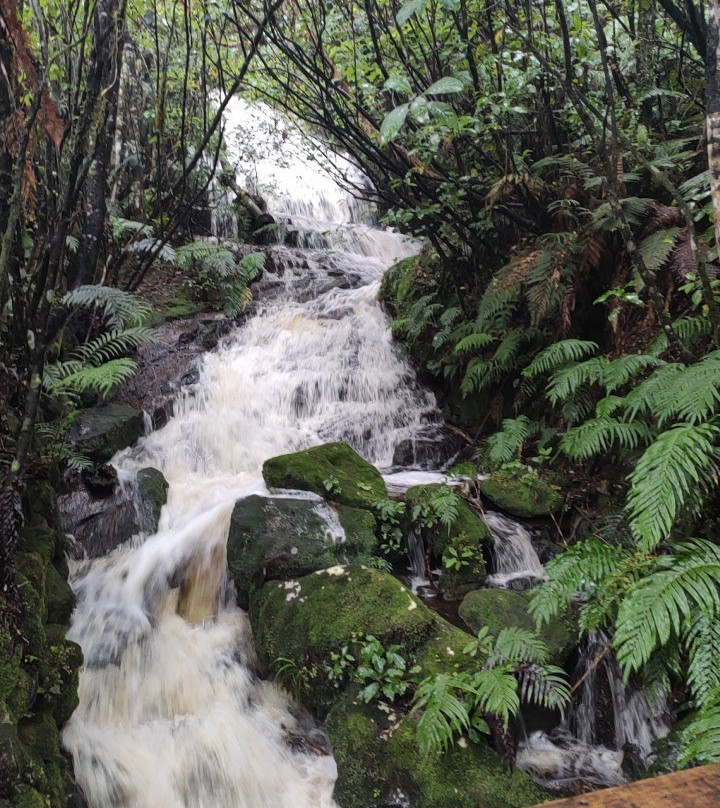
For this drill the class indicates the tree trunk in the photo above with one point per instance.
(712, 96)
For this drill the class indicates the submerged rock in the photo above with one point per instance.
(522, 492)
(101, 431)
(333, 469)
(502, 608)
(277, 538)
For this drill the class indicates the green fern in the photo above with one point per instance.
(701, 642)
(620, 371)
(568, 380)
(655, 249)
(120, 309)
(559, 354)
(667, 601)
(504, 445)
(599, 435)
(670, 474)
(444, 715)
(700, 738)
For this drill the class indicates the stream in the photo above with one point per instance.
(172, 712)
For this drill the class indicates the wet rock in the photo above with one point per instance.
(152, 489)
(280, 538)
(188, 336)
(351, 480)
(210, 332)
(100, 480)
(102, 431)
(59, 597)
(431, 450)
(307, 618)
(522, 492)
(501, 608)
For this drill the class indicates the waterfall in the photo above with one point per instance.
(172, 712)
(516, 563)
(610, 727)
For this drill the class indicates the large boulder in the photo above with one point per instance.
(333, 469)
(302, 621)
(457, 550)
(503, 608)
(278, 538)
(102, 431)
(379, 764)
(152, 490)
(522, 492)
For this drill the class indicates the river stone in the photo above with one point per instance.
(379, 764)
(101, 431)
(277, 538)
(304, 620)
(333, 469)
(503, 608)
(522, 492)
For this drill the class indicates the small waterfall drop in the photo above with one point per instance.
(172, 713)
(516, 562)
(609, 729)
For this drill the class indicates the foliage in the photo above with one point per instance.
(389, 513)
(514, 670)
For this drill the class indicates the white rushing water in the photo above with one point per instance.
(172, 713)
(515, 558)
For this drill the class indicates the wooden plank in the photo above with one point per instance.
(692, 788)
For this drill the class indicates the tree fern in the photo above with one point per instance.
(559, 354)
(669, 475)
(665, 602)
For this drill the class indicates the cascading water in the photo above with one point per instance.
(609, 729)
(171, 710)
(516, 563)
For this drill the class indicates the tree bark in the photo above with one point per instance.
(712, 97)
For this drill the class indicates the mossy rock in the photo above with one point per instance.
(443, 651)
(60, 674)
(47, 542)
(59, 597)
(33, 570)
(354, 729)
(356, 482)
(503, 608)
(40, 503)
(42, 764)
(28, 797)
(466, 776)
(522, 492)
(278, 538)
(152, 490)
(16, 685)
(359, 526)
(304, 620)
(465, 540)
(379, 763)
(8, 754)
(102, 431)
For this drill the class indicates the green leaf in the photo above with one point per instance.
(393, 123)
(410, 8)
(445, 86)
(398, 83)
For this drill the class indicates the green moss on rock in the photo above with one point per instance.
(60, 674)
(522, 492)
(152, 488)
(354, 481)
(59, 597)
(359, 526)
(466, 776)
(443, 651)
(502, 608)
(277, 538)
(304, 620)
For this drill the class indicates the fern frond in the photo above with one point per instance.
(663, 603)
(566, 381)
(671, 472)
(517, 645)
(559, 354)
(701, 641)
(544, 685)
(473, 342)
(644, 398)
(495, 691)
(700, 738)
(655, 249)
(691, 395)
(600, 434)
(503, 445)
(101, 380)
(443, 714)
(619, 371)
(121, 309)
